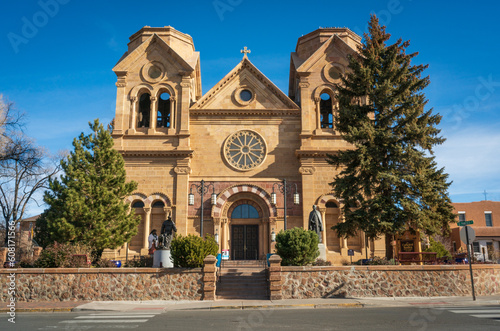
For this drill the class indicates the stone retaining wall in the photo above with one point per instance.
(101, 284)
(388, 281)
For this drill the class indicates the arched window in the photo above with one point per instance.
(326, 111)
(245, 211)
(331, 204)
(163, 116)
(138, 204)
(144, 110)
(158, 204)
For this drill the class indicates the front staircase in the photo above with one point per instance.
(243, 280)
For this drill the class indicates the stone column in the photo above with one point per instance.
(182, 171)
(323, 218)
(218, 230)
(317, 104)
(275, 278)
(133, 115)
(153, 113)
(344, 248)
(209, 277)
(121, 103)
(173, 113)
(146, 228)
(308, 192)
(185, 103)
(305, 104)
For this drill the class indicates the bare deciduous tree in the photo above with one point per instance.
(10, 123)
(25, 168)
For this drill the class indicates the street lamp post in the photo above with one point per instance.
(202, 188)
(283, 187)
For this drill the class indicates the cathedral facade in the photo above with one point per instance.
(238, 148)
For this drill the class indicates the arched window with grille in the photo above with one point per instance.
(326, 111)
(144, 110)
(163, 114)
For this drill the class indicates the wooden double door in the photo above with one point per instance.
(244, 242)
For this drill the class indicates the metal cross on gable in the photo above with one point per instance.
(245, 51)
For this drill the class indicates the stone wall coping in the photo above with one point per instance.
(100, 271)
(391, 268)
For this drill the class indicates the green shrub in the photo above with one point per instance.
(321, 263)
(190, 251)
(61, 256)
(297, 247)
(437, 247)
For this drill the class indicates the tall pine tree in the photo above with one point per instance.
(87, 204)
(389, 180)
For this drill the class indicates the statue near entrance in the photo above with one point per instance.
(167, 230)
(315, 223)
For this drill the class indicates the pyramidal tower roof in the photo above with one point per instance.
(309, 43)
(182, 43)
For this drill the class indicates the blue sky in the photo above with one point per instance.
(56, 61)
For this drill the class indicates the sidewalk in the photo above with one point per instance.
(159, 305)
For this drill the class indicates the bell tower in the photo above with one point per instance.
(158, 79)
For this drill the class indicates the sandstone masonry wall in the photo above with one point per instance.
(388, 281)
(68, 284)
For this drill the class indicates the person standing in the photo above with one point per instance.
(153, 242)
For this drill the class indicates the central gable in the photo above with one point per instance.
(245, 87)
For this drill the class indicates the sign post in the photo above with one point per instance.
(467, 234)
(350, 252)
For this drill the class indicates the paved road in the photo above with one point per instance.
(388, 318)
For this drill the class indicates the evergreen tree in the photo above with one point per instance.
(87, 204)
(389, 180)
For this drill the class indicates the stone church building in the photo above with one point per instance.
(242, 138)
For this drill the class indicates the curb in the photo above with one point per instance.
(39, 310)
(310, 305)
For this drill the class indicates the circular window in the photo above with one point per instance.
(245, 150)
(154, 72)
(246, 95)
(334, 72)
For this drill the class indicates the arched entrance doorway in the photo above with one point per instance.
(245, 227)
(244, 222)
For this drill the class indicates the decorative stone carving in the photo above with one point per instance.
(304, 85)
(306, 170)
(182, 170)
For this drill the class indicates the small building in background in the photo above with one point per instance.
(486, 217)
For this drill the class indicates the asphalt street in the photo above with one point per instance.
(386, 318)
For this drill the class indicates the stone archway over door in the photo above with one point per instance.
(246, 230)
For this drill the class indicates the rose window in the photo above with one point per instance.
(245, 150)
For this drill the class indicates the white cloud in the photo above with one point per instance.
(471, 157)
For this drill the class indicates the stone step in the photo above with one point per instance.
(246, 263)
(238, 297)
(244, 277)
(235, 281)
(242, 280)
(250, 289)
(243, 272)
